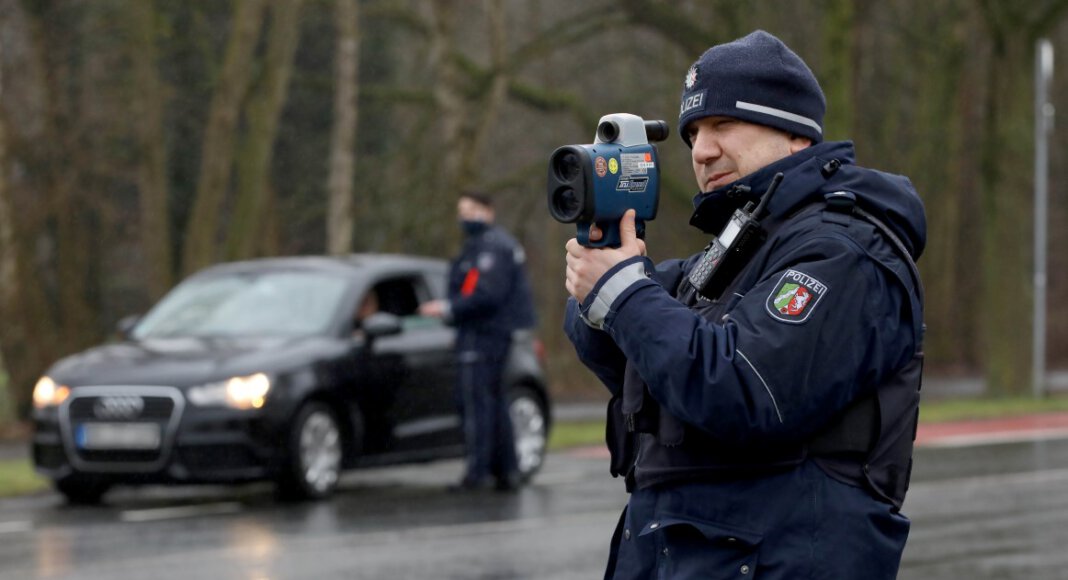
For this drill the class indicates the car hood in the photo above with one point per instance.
(188, 361)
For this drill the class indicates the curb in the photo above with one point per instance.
(1036, 427)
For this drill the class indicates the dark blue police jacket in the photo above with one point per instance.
(806, 369)
(489, 293)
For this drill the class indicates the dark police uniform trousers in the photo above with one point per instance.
(487, 428)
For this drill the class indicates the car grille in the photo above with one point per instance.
(156, 408)
(124, 412)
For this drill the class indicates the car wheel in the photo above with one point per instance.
(82, 490)
(530, 426)
(313, 464)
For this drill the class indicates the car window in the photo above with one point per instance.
(273, 303)
(402, 296)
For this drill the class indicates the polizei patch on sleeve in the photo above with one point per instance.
(795, 297)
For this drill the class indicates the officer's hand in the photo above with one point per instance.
(585, 266)
(433, 308)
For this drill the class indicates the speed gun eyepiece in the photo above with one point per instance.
(599, 182)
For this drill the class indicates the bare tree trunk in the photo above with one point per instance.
(19, 352)
(219, 136)
(8, 263)
(838, 78)
(494, 98)
(9, 273)
(262, 116)
(148, 102)
(339, 217)
(447, 97)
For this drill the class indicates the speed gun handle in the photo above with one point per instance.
(610, 235)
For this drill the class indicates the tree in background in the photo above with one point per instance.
(148, 99)
(262, 114)
(339, 218)
(220, 135)
(147, 139)
(1006, 194)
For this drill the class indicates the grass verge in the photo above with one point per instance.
(17, 477)
(567, 434)
(993, 408)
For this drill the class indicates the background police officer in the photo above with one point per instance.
(764, 429)
(489, 298)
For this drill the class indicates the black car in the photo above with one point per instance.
(273, 369)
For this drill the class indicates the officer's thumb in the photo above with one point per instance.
(628, 233)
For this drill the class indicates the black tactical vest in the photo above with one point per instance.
(868, 445)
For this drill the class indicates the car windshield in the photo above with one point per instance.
(276, 303)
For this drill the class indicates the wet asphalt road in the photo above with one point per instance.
(986, 512)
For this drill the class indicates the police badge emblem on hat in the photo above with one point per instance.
(691, 77)
(794, 297)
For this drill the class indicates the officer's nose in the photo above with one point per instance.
(705, 146)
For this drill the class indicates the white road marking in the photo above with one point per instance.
(169, 513)
(15, 527)
(996, 437)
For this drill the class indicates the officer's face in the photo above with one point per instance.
(726, 149)
(470, 210)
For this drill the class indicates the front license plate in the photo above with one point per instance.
(143, 436)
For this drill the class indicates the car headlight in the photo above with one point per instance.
(237, 392)
(46, 393)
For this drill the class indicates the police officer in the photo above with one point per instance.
(763, 429)
(489, 298)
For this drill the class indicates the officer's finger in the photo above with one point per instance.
(569, 282)
(595, 233)
(571, 246)
(641, 248)
(628, 233)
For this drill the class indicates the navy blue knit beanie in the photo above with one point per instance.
(757, 79)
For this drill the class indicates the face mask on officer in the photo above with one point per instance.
(473, 227)
(475, 216)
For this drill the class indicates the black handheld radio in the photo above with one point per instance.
(727, 254)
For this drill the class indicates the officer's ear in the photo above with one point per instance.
(798, 143)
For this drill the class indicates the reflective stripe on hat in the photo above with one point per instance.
(779, 113)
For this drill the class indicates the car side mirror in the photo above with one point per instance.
(126, 324)
(381, 324)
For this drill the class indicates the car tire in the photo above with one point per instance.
(530, 426)
(314, 452)
(81, 489)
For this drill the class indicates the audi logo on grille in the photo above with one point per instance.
(126, 407)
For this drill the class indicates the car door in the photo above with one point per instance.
(420, 412)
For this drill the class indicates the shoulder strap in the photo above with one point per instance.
(845, 202)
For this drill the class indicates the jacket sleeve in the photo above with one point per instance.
(595, 348)
(485, 286)
(760, 375)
